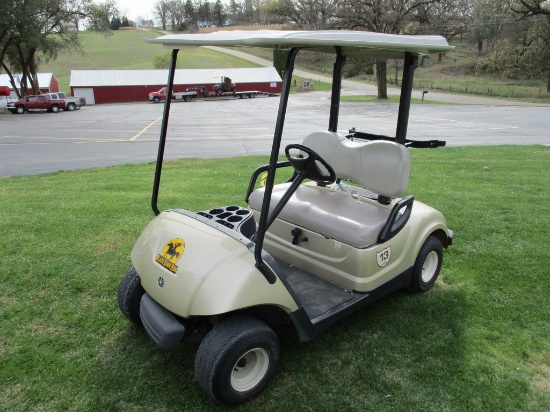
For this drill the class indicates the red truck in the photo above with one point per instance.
(156, 97)
(36, 103)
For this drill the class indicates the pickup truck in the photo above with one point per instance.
(36, 103)
(157, 96)
(71, 103)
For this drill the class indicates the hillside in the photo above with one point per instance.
(126, 50)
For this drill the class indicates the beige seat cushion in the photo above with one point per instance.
(380, 166)
(330, 212)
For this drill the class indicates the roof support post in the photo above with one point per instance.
(411, 63)
(163, 129)
(262, 225)
(336, 90)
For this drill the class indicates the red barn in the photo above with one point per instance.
(110, 86)
(46, 81)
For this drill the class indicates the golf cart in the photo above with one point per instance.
(334, 237)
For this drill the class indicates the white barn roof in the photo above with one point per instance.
(91, 78)
(44, 80)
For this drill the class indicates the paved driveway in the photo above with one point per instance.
(104, 135)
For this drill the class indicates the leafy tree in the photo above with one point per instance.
(218, 14)
(279, 60)
(489, 21)
(307, 14)
(383, 17)
(35, 31)
(528, 8)
(115, 23)
(524, 52)
(161, 11)
(177, 13)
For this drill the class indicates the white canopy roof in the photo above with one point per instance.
(358, 43)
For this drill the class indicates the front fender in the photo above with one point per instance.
(211, 273)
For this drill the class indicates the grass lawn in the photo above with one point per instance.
(479, 341)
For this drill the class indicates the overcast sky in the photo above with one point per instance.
(135, 8)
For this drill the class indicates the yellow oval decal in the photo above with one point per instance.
(171, 254)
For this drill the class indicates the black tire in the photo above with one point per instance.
(54, 108)
(219, 91)
(427, 265)
(71, 107)
(156, 99)
(237, 359)
(129, 296)
(187, 98)
(20, 109)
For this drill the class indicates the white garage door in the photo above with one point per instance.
(88, 93)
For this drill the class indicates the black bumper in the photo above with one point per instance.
(160, 324)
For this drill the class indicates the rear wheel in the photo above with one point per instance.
(54, 108)
(427, 265)
(187, 98)
(71, 107)
(129, 295)
(237, 359)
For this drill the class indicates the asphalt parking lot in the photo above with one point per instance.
(112, 134)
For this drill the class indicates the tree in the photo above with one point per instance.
(529, 8)
(161, 10)
(524, 52)
(490, 19)
(383, 17)
(35, 31)
(236, 11)
(99, 15)
(218, 14)
(307, 14)
(176, 13)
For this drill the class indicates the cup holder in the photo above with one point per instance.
(233, 217)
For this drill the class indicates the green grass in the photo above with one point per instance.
(479, 341)
(126, 50)
(391, 99)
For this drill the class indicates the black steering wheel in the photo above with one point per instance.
(309, 166)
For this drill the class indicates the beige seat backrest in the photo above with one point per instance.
(380, 166)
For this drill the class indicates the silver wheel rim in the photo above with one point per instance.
(430, 266)
(249, 370)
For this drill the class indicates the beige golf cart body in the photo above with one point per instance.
(323, 255)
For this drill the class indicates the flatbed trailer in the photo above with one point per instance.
(250, 94)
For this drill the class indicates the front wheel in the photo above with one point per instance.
(237, 359)
(427, 265)
(20, 109)
(129, 295)
(156, 99)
